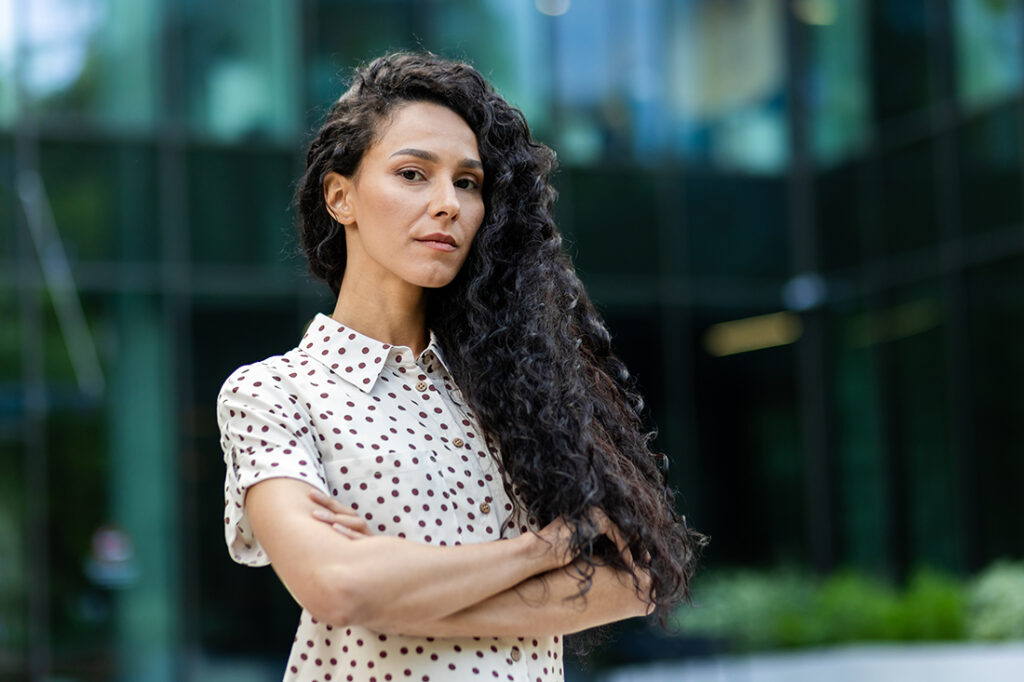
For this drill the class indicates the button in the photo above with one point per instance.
(516, 654)
(421, 386)
(485, 508)
(458, 442)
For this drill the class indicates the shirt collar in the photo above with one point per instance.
(355, 357)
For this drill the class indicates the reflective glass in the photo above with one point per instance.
(840, 209)
(838, 88)
(103, 198)
(611, 218)
(8, 68)
(750, 451)
(725, 83)
(990, 168)
(736, 225)
(995, 292)
(93, 58)
(989, 55)
(113, 562)
(231, 597)
(239, 201)
(908, 198)
(902, 32)
(343, 33)
(913, 331)
(14, 565)
(241, 60)
(859, 437)
(9, 204)
(508, 42)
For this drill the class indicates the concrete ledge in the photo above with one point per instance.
(871, 663)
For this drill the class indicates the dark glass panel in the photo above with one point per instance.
(902, 33)
(104, 198)
(241, 61)
(611, 219)
(10, 208)
(82, 611)
(839, 205)
(921, 436)
(990, 169)
(750, 451)
(239, 206)
(988, 44)
(995, 293)
(736, 225)
(859, 438)
(343, 33)
(14, 562)
(910, 220)
(231, 597)
(99, 60)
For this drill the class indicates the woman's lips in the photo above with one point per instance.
(440, 246)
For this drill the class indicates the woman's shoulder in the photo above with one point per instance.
(274, 373)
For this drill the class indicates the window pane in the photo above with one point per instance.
(839, 91)
(611, 219)
(104, 198)
(838, 202)
(240, 64)
(736, 225)
(10, 207)
(996, 327)
(508, 42)
(990, 168)
(343, 33)
(902, 34)
(257, 329)
(726, 84)
(239, 206)
(859, 438)
(988, 49)
(8, 51)
(93, 58)
(750, 452)
(909, 203)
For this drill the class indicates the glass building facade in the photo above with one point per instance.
(802, 219)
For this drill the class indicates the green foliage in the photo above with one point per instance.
(749, 610)
(995, 603)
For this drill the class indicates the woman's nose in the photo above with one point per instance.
(446, 202)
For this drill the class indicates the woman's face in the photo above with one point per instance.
(414, 205)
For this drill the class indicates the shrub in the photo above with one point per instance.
(996, 603)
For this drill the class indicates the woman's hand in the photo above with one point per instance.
(557, 535)
(343, 519)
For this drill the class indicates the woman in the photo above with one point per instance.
(449, 472)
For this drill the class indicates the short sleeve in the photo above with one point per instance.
(265, 432)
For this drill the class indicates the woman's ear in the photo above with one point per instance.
(337, 196)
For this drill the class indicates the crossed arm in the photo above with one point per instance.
(522, 586)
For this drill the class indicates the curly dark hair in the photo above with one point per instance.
(520, 335)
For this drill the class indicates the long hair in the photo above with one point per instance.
(521, 338)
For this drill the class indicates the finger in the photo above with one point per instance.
(348, 532)
(330, 503)
(356, 523)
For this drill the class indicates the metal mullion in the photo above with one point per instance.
(960, 401)
(821, 495)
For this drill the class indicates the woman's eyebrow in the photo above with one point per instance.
(433, 158)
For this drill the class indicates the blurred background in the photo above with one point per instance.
(802, 219)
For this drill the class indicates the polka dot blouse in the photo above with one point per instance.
(389, 435)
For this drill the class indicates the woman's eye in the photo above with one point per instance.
(409, 174)
(466, 183)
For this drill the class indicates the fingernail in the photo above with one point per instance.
(342, 529)
(322, 515)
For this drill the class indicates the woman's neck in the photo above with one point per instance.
(397, 317)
